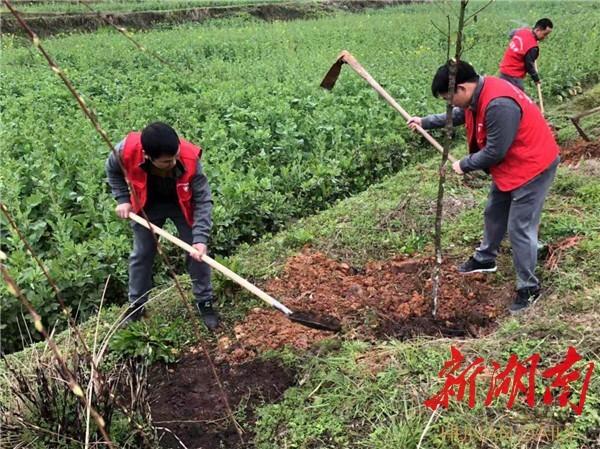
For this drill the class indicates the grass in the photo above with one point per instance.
(363, 395)
(354, 394)
(560, 115)
(372, 395)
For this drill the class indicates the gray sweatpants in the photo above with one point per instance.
(517, 82)
(144, 250)
(518, 210)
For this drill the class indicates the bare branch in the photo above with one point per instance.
(449, 39)
(448, 9)
(128, 35)
(472, 16)
(65, 372)
(439, 29)
(88, 113)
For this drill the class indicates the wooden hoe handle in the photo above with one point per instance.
(347, 57)
(539, 91)
(213, 263)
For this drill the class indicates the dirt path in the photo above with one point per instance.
(51, 23)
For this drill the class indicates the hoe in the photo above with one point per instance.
(345, 57)
(307, 319)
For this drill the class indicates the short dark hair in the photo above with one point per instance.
(464, 73)
(159, 139)
(544, 23)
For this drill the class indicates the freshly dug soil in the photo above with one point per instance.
(186, 399)
(579, 150)
(385, 299)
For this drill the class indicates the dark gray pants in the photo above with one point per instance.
(144, 250)
(518, 210)
(517, 82)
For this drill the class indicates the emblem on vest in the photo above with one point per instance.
(516, 44)
(185, 186)
(479, 136)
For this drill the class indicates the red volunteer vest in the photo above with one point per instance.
(513, 61)
(132, 157)
(534, 147)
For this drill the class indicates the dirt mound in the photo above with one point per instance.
(186, 400)
(575, 152)
(391, 298)
(388, 298)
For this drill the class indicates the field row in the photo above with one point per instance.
(74, 6)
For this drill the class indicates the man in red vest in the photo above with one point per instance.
(508, 137)
(168, 182)
(522, 52)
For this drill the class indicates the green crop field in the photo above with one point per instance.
(276, 146)
(277, 149)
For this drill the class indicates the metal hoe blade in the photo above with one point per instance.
(324, 322)
(333, 74)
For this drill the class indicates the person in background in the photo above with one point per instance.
(522, 52)
(169, 183)
(508, 137)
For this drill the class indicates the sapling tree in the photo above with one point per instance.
(462, 23)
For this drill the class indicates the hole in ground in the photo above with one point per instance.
(186, 399)
(383, 299)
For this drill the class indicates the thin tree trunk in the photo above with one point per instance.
(442, 171)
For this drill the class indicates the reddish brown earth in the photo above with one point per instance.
(579, 150)
(390, 298)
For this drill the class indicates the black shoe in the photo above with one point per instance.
(474, 266)
(542, 250)
(525, 297)
(133, 315)
(208, 314)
